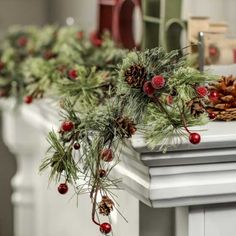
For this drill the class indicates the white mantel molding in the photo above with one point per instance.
(186, 175)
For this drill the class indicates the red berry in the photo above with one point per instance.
(105, 228)
(95, 40)
(169, 100)
(148, 88)
(3, 93)
(76, 146)
(80, 35)
(72, 74)
(1, 65)
(47, 55)
(67, 126)
(213, 96)
(28, 99)
(202, 91)
(158, 82)
(102, 173)
(213, 51)
(63, 188)
(194, 138)
(106, 155)
(212, 115)
(22, 41)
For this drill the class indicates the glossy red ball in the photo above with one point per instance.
(95, 40)
(212, 115)
(194, 138)
(106, 155)
(72, 74)
(28, 99)
(148, 88)
(22, 41)
(67, 126)
(79, 35)
(213, 96)
(158, 82)
(105, 228)
(202, 91)
(63, 188)
(76, 146)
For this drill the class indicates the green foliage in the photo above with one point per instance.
(102, 94)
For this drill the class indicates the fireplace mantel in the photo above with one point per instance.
(184, 177)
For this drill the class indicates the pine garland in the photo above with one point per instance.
(103, 104)
(106, 128)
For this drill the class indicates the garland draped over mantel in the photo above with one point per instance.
(106, 95)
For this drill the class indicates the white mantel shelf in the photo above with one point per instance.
(185, 175)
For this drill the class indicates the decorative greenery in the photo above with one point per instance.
(104, 104)
(106, 128)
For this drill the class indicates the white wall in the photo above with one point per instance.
(83, 11)
(23, 12)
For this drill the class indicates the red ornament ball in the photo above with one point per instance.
(67, 126)
(158, 82)
(106, 155)
(22, 41)
(28, 99)
(148, 89)
(63, 188)
(72, 74)
(213, 96)
(1, 65)
(202, 91)
(76, 146)
(212, 115)
(194, 138)
(105, 228)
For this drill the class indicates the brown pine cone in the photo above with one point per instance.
(196, 107)
(126, 127)
(105, 206)
(225, 105)
(135, 76)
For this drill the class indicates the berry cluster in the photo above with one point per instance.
(157, 82)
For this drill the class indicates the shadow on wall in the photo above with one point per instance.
(7, 171)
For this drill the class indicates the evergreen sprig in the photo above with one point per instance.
(103, 103)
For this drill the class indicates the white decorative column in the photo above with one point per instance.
(22, 140)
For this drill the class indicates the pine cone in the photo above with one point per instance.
(135, 76)
(126, 127)
(105, 206)
(196, 107)
(225, 105)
